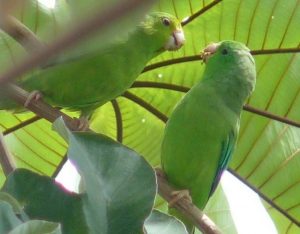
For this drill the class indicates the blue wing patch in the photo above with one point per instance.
(226, 153)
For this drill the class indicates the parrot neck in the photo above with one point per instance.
(231, 86)
(151, 45)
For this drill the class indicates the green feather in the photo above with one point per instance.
(201, 133)
(88, 81)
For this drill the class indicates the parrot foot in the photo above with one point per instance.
(159, 172)
(179, 195)
(82, 123)
(33, 96)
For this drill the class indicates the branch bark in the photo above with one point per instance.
(6, 159)
(189, 210)
(20, 33)
(39, 107)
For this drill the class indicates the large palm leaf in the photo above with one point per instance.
(267, 156)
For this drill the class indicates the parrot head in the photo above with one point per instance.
(229, 58)
(165, 29)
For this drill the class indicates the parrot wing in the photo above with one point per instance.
(226, 153)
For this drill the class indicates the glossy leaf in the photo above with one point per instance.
(44, 199)
(120, 185)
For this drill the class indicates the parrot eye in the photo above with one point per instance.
(224, 51)
(166, 21)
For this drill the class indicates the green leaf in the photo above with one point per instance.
(37, 227)
(8, 219)
(44, 199)
(161, 223)
(12, 201)
(120, 185)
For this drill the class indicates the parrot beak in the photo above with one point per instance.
(176, 40)
(209, 51)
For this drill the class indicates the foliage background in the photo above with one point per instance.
(267, 156)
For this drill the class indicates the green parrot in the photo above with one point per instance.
(201, 133)
(92, 79)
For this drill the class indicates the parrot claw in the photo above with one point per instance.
(159, 172)
(179, 195)
(33, 96)
(82, 123)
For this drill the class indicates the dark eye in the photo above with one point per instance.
(166, 21)
(224, 51)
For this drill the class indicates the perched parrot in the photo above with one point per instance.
(201, 133)
(88, 81)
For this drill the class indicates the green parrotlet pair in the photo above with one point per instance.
(201, 133)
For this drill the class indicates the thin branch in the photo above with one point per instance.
(189, 210)
(160, 85)
(20, 33)
(151, 84)
(145, 105)
(21, 125)
(275, 51)
(172, 62)
(192, 58)
(39, 107)
(119, 121)
(265, 198)
(101, 20)
(6, 159)
(200, 12)
(271, 116)
(60, 166)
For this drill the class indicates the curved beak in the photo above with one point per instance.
(176, 40)
(209, 51)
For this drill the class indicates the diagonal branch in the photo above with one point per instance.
(264, 197)
(200, 12)
(39, 107)
(172, 62)
(146, 105)
(21, 125)
(271, 116)
(20, 33)
(6, 159)
(189, 210)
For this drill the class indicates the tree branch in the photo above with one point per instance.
(189, 210)
(6, 159)
(39, 107)
(200, 12)
(20, 33)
